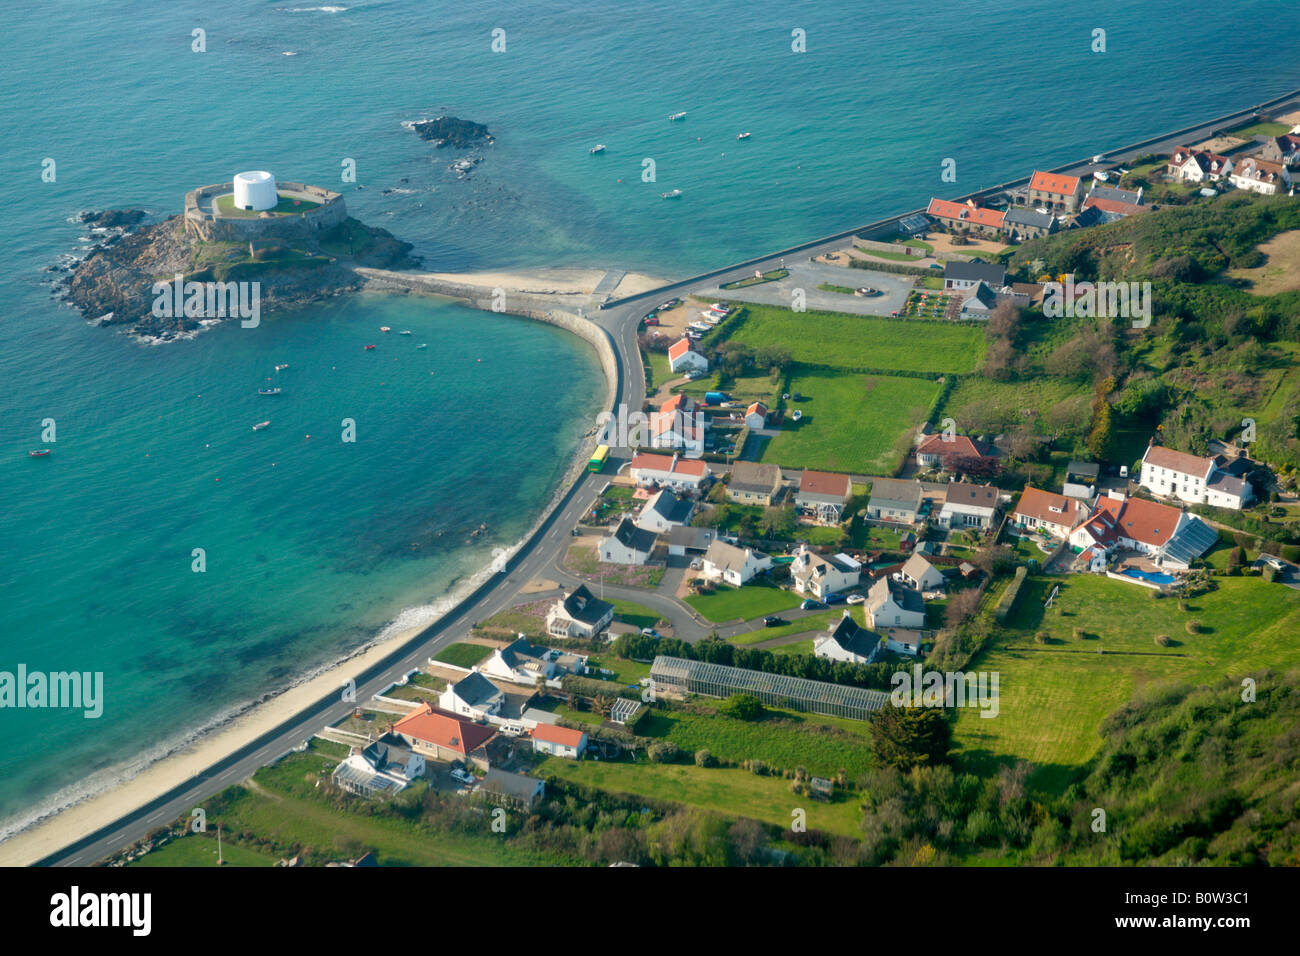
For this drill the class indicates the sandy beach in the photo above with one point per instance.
(97, 811)
(558, 281)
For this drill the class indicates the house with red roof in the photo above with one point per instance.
(1057, 192)
(823, 494)
(1260, 176)
(557, 741)
(756, 415)
(683, 358)
(678, 424)
(1197, 166)
(433, 732)
(937, 449)
(967, 216)
(687, 475)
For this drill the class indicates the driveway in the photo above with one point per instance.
(809, 275)
(1290, 575)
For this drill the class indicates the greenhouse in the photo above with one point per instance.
(778, 690)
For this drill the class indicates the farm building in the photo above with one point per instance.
(675, 674)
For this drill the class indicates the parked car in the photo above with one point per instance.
(856, 599)
(773, 621)
(810, 605)
(835, 599)
(649, 632)
(462, 776)
(1276, 564)
(696, 564)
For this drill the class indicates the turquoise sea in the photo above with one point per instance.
(313, 545)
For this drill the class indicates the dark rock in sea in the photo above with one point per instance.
(450, 131)
(115, 218)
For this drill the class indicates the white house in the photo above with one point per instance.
(902, 640)
(848, 641)
(919, 573)
(733, 565)
(385, 767)
(893, 604)
(822, 576)
(823, 495)
(1191, 478)
(578, 614)
(472, 696)
(627, 545)
(683, 358)
(523, 662)
(1055, 514)
(968, 506)
(1261, 176)
(756, 415)
(559, 741)
(665, 511)
(687, 475)
(678, 423)
(1170, 537)
(1198, 166)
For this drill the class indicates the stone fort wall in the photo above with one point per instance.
(206, 227)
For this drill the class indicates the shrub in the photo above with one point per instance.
(743, 707)
(1079, 634)
(1157, 595)
(1008, 601)
(1162, 640)
(705, 759)
(663, 751)
(1193, 626)
(1042, 637)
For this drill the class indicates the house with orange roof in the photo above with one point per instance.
(1053, 513)
(756, 415)
(1057, 192)
(678, 424)
(823, 494)
(689, 475)
(683, 358)
(966, 216)
(557, 741)
(440, 735)
(937, 448)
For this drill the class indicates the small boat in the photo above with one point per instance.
(384, 328)
(742, 136)
(281, 368)
(598, 148)
(369, 347)
(798, 414)
(269, 391)
(260, 425)
(404, 332)
(674, 117)
(671, 194)
(40, 452)
(423, 345)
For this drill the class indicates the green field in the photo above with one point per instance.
(201, 850)
(786, 742)
(979, 404)
(461, 654)
(851, 422)
(726, 790)
(1053, 697)
(638, 615)
(753, 600)
(837, 340)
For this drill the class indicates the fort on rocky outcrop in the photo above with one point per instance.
(300, 212)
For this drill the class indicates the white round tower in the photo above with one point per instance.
(255, 190)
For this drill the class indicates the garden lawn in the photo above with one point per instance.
(1053, 697)
(851, 422)
(979, 404)
(197, 849)
(461, 654)
(725, 790)
(751, 601)
(837, 340)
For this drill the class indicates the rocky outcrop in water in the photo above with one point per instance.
(114, 218)
(113, 284)
(454, 132)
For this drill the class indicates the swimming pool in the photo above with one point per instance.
(1151, 576)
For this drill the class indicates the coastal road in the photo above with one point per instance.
(538, 553)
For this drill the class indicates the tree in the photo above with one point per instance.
(907, 737)
(744, 707)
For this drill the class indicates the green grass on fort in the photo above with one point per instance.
(1053, 697)
(851, 422)
(287, 206)
(842, 341)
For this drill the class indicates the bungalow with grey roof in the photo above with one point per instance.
(752, 483)
(472, 696)
(893, 604)
(505, 788)
(846, 640)
(579, 614)
(959, 276)
(894, 499)
(664, 512)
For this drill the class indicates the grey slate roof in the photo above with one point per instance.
(754, 477)
(995, 275)
(854, 638)
(672, 508)
(585, 607)
(895, 494)
(475, 689)
(1116, 194)
(693, 539)
(510, 784)
(1019, 216)
(630, 536)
